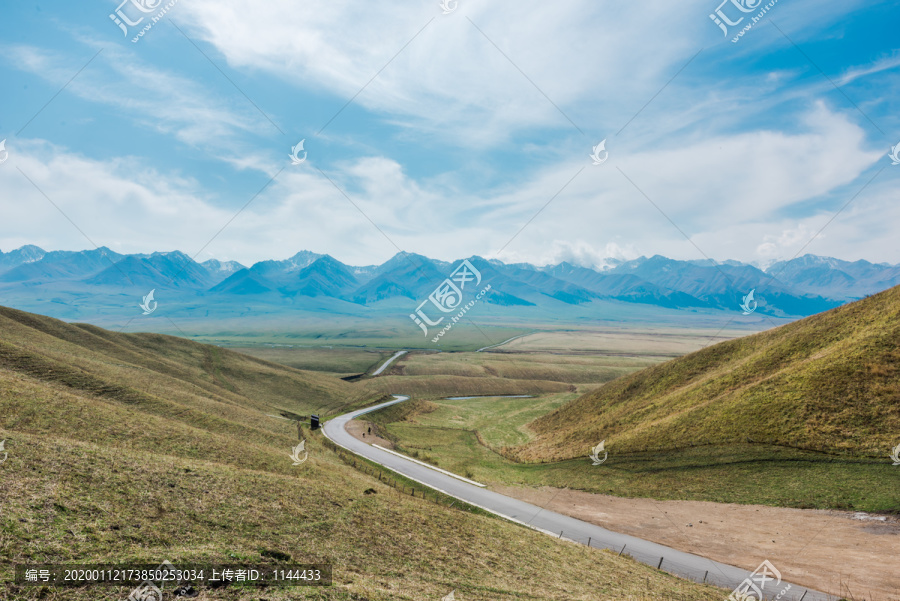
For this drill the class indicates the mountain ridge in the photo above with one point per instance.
(803, 286)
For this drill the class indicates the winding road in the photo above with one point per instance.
(388, 362)
(686, 565)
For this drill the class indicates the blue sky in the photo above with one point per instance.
(463, 128)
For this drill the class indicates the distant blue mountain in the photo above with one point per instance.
(221, 269)
(281, 271)
(718, 284)
(244, 282)
(325, 276)
(801, 286)
(26, 254)
(58, 265)
(527, 285)
(174, 269)
(403, 275)
(834, 278)
(623, 286)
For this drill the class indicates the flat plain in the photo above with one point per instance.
(340, 361)
(626, 341)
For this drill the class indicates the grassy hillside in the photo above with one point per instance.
(830, 382)
(803, 416)
(144, 448)
(156, 370)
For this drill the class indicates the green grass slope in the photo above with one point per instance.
(830, 382)
(144, 448)
(157, 370)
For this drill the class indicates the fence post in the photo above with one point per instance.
(560, 533)
(589, 541)
(660, 563)
(704, 576)
(623, 550)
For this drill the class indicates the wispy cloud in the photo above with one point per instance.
(751, 197)
(886, 63)
(452, 80)
(456, 145)
(151, 98)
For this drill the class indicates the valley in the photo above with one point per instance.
(449, 301)
(842, 485)
(480, 414)
(142, 448)
(477, 414)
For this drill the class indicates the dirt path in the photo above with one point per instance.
(827, 550)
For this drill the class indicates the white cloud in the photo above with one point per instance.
(775, 246)
(156, 99)
(757, 192)
(885, 63)
(579, 253)
(734, 196)
(450, 79)
(740, 177)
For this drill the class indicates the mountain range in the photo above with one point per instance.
(802, 286)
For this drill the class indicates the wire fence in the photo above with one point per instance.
(400, 483)
(712, 576)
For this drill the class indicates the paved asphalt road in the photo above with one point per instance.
(388, 362)
(686, 565)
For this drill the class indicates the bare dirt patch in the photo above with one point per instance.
(630, 341)
(367, 432)
(840, 552)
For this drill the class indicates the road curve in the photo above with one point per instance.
(484, 348)
(686, 565)
(388, 362)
